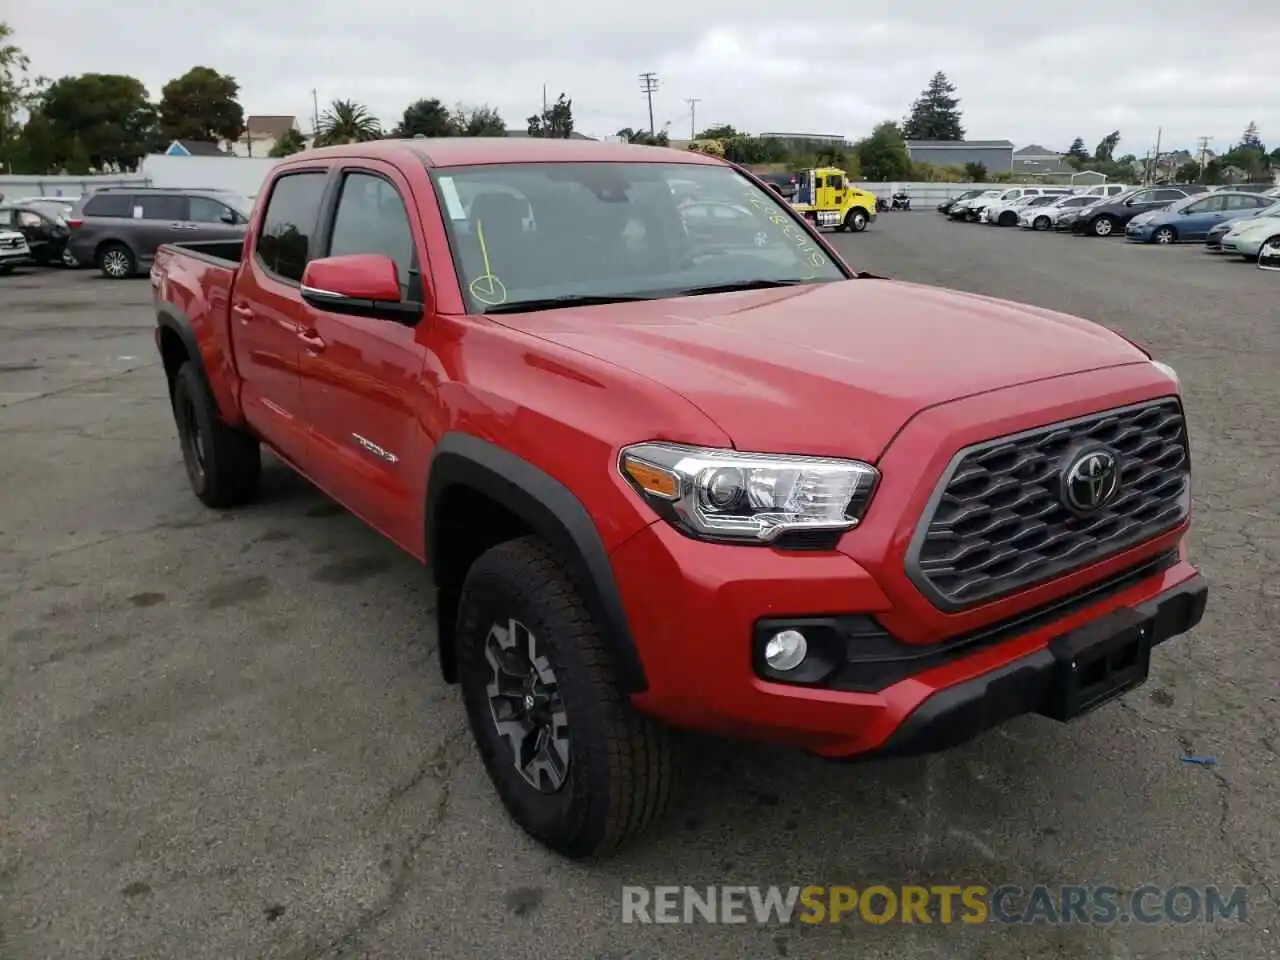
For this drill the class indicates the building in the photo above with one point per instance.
(575, 135)
(195, 148)
(995, 155)
(806, 141)
(261, 133)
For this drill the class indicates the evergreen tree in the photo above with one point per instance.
(1251, 138)
(1078, 149)
(936, 114)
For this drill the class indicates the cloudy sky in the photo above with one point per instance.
(1027, 73)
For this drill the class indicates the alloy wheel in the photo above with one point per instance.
(115, 263)
(526, 707)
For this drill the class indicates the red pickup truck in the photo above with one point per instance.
(673, 464)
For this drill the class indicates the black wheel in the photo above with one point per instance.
(223, 464)
(1008, 219)
(116, 261)
(573, 763)
(855, 221)
(1104, 226)
(1166, 235)
(1042, 223)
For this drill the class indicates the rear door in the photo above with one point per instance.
(362, 378)
(268, 317)
(159, 218)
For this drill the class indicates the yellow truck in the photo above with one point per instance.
(827, 198)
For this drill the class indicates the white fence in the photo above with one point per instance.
(14, 187)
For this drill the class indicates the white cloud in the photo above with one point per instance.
(1026, 74)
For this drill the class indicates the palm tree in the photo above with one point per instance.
(346, 122)
(290, 142)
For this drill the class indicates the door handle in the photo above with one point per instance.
(312, 340)
(242, 312)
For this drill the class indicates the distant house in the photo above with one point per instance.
(573, 136)
(261, 133)
(195, 148)
(995, 155)
(1035, 162)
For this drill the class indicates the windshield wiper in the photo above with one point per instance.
(555, 303)
(739, 285)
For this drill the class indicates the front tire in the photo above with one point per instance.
(573, 763)
(1102, 227)
(224, 465)
(1008, 219)
(855, 220)
(1165, 235)
(1042, 223)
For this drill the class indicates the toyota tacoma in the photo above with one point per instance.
(675, 473)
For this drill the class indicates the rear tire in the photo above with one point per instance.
(1008, 219)
(224, 464)
(596, 773)
(117, 262)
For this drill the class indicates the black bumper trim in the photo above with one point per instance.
(959, 713)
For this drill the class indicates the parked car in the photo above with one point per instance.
(1105, 219)
(1213, 240)
(784, 184)
(118, 230)
(974, 210)
(1247, 187)
(1269, 255)
(1247, 237)
(13, 250)
(636, 523)
(1102, 191)
(1006, 214)
(1193, 217)
(67, 201)
(960, 209)
(945, 206)
(1046, 216)
(46, 232)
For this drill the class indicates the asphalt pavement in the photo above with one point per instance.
(223, 736)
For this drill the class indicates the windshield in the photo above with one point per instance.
(537, 233)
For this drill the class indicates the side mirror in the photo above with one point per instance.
(1269, 255)
(359, 285)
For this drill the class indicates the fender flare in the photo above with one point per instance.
(552, 511)
(169, 317)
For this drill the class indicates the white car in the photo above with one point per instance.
(13, 250)
(1249, 236)
(1006, 196)
(1269, 255)
(1006, 213)
(960, 209)
(1046, 217)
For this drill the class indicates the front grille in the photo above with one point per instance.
(999, 521)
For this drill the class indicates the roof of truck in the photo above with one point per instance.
(465, 151)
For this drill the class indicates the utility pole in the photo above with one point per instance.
(545, 124)
(693, 115)
(648, 85)
(315, 112)
(1159, 135)
(1204, 153)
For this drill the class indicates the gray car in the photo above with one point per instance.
(118, 230)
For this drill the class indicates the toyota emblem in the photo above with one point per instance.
(1091, 480)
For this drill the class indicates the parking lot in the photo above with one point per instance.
(225, 736)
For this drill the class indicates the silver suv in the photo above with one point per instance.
(118, 229)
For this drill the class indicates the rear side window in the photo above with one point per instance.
(109, 205)
(288, 223)
(161, 206)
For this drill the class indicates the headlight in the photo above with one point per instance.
(748, 497)
(1167, 370)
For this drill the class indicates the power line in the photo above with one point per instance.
(648, 85)
(693, 115)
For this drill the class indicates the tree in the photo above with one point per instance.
(935, 115)
(13, 93)
(1250, 139)
(201, 105)
(1189, 172)
(723, 131)
(976, 172)
(1106, 147)
(644, 137)
(290, 142)
(482, 121)
(883, 155)
(99, 120)
(427, 118)
(555, 121)
(1077, 149)
(346, 122)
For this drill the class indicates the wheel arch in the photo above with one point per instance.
(467, 471)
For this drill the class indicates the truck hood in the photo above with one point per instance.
(830, 369)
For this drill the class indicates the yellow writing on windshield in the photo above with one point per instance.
(810, 254)
(487, 288)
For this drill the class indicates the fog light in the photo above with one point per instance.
(785, 650)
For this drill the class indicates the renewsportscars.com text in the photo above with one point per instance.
(940, 904)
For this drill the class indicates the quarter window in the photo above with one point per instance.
(283, 247)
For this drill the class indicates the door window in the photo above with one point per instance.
(28, 219)
(284, 244)
(206, 210)
(162, 207)
(1168, 196)
(371, 218)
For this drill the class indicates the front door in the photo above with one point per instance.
(210, 219)
(268, 317)
(362, 378)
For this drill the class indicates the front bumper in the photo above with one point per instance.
(15, 256)
(1139, 233)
